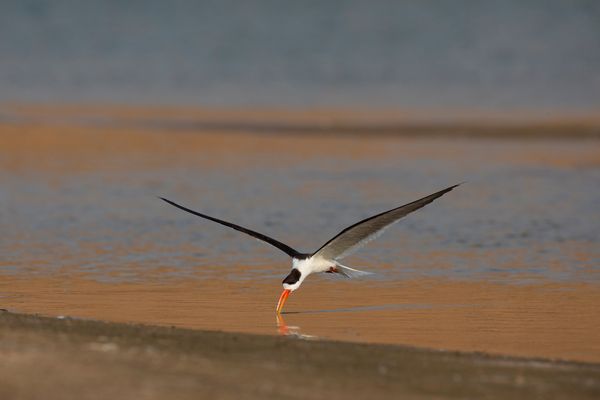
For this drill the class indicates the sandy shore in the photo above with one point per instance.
(347, 122)
(75, 359)
(553, 321)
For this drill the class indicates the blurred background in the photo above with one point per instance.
(474, 54)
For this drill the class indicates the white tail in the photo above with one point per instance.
(351, 272)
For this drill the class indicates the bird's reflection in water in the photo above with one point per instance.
(286, 330)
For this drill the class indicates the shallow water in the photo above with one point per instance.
(528, 210)
(513, 253)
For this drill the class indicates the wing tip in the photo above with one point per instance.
(453, 187)
(165, 200)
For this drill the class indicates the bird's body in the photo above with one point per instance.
(326, 258)
(305, 267)
(316, 264)
(312, 265)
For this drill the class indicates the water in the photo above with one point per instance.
(507, 263)
(490, 54)
(88, 201)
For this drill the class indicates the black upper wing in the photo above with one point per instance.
(281, 246)
(354, 236)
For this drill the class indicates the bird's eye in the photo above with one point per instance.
(293, 277)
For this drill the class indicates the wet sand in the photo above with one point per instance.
(525, 320)
(74, 359)
(492, 268)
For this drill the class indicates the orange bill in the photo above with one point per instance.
(282, 299)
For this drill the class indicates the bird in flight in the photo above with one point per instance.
(327, 257)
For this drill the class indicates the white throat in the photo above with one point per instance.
(306, 267)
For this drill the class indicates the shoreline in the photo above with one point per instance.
(534, 320)
(334, 122)
(80, 356)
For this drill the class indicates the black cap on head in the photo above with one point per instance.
(293, 277)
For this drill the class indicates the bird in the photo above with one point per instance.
(327, 258)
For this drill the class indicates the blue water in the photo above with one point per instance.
(485, 54)
(516, 219)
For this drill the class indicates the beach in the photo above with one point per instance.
(74, 359)
(550, 321)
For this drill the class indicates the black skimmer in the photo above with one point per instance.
(326, 258)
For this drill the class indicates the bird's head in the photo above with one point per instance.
(290, 283)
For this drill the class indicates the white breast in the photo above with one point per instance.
(312, 265)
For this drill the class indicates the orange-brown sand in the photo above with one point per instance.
(71, 149)
(548, 320)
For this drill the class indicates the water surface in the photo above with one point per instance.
(509, 262)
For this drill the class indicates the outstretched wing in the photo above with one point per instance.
(359, 234)
(281, 246)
